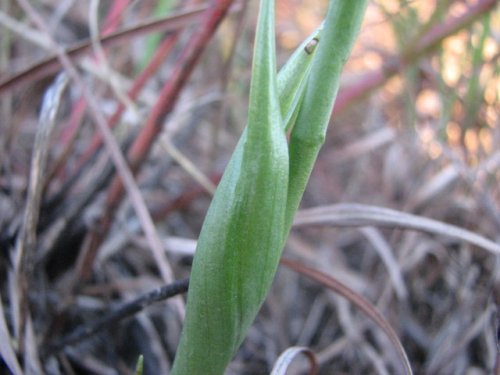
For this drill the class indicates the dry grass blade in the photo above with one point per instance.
(26, 239)
(116, 155)
(126, 310)
(386, 253)
(142, 144)
(350, 214)
(188, 165)
(446, 355)
(437, 185)
(365, 145)
(21, 29)
(496, 298)
(103, 61)
(357, 300)
(32, 363)
(6, 351)
(53, 64)
(46, 124)
(158, 58)
(286, 358)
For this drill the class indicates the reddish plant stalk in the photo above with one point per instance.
(154, 123)
(113, 17)
(78, 110)
(153, 65)
(158, 58)
(51, 64)
(68, 137)
(183, 200)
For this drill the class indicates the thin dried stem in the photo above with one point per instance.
(116, 155)
(154, 124)
(110, 319)
(351, 214)
(356, 299)
(53, 64)
(24, 256)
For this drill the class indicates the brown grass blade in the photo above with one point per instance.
(386, 253)
(6, 351)
(356, 215)
(52, 64)
(286, 358)
(26, 239)
(356, 299)
(116, 155)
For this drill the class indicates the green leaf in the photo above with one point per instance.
(292, 79)
(240, 244)
(139, 367)
(162, 8)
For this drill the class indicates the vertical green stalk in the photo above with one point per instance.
(475, 93)
(162, 8)
(240, 244)
(341, 28)
(246, 226)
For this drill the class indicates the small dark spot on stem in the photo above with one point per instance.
(311, 46)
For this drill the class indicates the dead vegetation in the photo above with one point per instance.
(402, 208)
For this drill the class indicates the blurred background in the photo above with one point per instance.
(415, 129)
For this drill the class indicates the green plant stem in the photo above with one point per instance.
(245, 228)
(341, 28)
(240, 243)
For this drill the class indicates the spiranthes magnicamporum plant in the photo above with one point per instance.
(252, 211)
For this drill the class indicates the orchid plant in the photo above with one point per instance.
(251, 214)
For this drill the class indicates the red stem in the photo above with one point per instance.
(158, 58)
(68, 137)
(114, 16)
(168, 95)
(154, 123)
(51, 64)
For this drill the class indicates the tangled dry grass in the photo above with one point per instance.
(82, 258)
